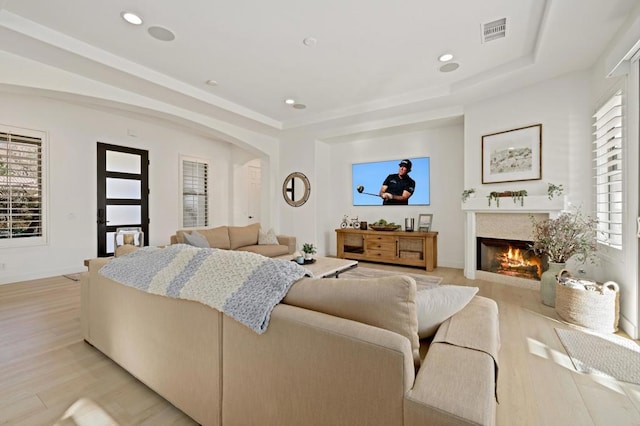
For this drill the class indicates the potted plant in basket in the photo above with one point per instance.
(309, 250)
(569, 235)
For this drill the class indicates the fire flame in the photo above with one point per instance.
(513, 258)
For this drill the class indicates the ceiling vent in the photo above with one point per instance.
(494, 30)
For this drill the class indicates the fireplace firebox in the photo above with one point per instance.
(510, 257)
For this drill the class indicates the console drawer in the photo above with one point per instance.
(381, 245)
(381, 254)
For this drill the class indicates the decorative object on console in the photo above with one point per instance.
(296, 189)
(351, 223)
(309, 250)
(468, 193)
(383, 225)
(570, 234)
(408, 224)
(424, 222)
(554, 190)
(512, 155)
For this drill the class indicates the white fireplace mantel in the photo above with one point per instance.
(530, 204)
(480, 205)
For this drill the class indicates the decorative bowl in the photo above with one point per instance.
(384, 228)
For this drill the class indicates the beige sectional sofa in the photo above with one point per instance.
(336, 352)
(243, 238)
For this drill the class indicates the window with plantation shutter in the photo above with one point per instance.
(607, 158)
(22, 215)
(195, 195)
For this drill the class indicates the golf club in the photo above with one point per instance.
(360, 189)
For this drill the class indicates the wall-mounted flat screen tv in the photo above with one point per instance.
(368, 178)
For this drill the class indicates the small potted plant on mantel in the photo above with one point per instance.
(568, 235)
(309, 250)
(468, 193)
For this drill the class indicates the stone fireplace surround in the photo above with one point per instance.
(509, 221)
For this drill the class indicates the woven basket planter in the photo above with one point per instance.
(595, 309)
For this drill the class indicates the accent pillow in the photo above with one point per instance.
(196, 239)
(268, 237)
(385, 302)
(435, 305)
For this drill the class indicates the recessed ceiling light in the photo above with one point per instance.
(451, 66)
(211, 83)
(446, 57)
(131, 18)
(161, 34)
(289, 101)
(299, 106)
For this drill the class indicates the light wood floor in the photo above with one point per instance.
(49, 375)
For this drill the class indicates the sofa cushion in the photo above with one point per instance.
(267, 237)
(196, 239)
(240, 236)
(124, 249)
(435, 305)
(217, 237)
(385, 302)
(269, 250)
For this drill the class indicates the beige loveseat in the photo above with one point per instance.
(244, 238)
(336, 352)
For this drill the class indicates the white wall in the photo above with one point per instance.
(562, 106)
(73, 131)
(298, 155)
(443, 145)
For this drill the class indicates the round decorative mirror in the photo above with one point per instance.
(296, 189)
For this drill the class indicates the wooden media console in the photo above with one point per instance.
(397, 247)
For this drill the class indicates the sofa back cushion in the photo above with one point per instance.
(385, 302)
(240, 236)
(217, 237)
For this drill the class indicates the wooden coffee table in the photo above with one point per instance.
(327, 267)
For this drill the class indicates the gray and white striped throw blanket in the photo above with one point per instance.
(245, 286)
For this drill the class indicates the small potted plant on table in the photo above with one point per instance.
(309, 250)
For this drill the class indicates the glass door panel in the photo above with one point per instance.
(123, 162)
(123, 188)
(123, 215)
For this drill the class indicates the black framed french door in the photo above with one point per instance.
(123, 193)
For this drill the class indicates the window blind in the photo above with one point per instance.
(195, 200)
(21, 198)
(607, 159)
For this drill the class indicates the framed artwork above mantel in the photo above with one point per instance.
(512, 155)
